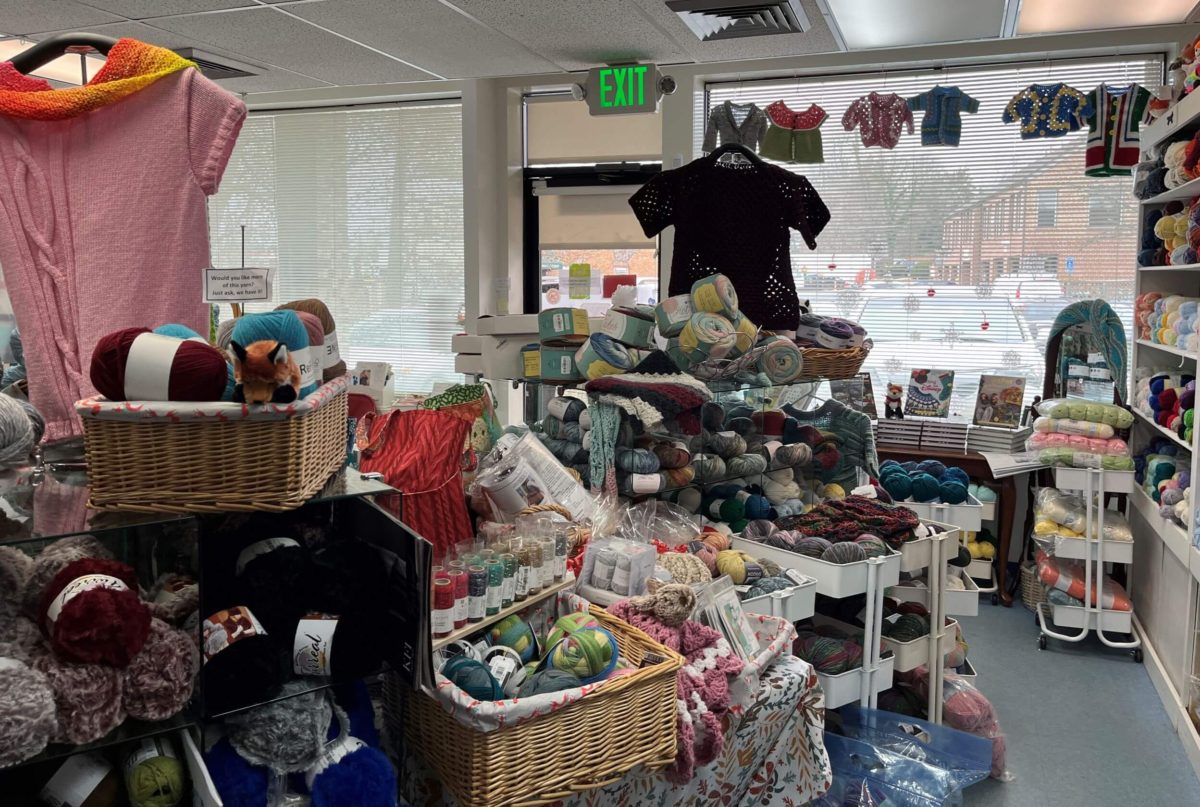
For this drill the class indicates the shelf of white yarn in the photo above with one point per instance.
(912, 654)
(835, 580)
(793, 603)
(967, 515)
(958, 601)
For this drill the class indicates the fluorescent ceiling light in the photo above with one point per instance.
(871, 24)
(1056, 16)
(64, 69)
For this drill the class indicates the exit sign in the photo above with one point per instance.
(622, 89)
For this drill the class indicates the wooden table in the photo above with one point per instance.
(977, 468)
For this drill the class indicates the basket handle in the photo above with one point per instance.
(546, 508)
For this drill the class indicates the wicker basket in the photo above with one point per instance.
(626, 723)
(821, 362)
(1033, 590)
(158, 465)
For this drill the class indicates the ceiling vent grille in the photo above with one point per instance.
(217, 68)
(711, 20)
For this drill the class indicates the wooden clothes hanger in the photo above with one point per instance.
(50, 49)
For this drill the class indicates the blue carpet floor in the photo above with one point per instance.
(1083, 722)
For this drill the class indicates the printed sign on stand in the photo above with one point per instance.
(240, 285)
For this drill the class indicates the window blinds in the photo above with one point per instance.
(960, 258)
(362, 208)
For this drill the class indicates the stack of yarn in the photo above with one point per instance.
(981, 545)
(847, 519)
(831, 649)
(831, 333)
(21, 428)
(1084, 434)
(322, 743)
(1168, 398)
(170, 363)
(1164, 473)
(927, 481)
(83, 650)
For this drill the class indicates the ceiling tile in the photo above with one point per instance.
(264, 35)
(578, 34)
(144, 9)
(428, 34)
(1052, 16)
(871, 24)
(271, 78)
(29, 16)
(818, 39)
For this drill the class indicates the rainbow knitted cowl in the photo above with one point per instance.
(131, 66)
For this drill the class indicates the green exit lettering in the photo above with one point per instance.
(623, 86)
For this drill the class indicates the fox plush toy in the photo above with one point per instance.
(264, 373)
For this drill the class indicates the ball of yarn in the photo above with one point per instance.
(770, 568)
(902, 700)
(768, 585)
(924, 488)
(844, 552)
(158, 682)
(286, 735)
(898, 486)
(474, 678)
(813, 546)
(872, 545)
(332, 365)
(705, 553)
(955, 474)
(363, 776)
(240, 663)
(732, 510)
(87, 698)
(833, 491)
(15, 568)
(685, 567)
(739, 566)
(712, 416)
(589, 653)
(50, 562)
(953, 492)
(27, 712)
(672, 455)
(759, 529)
(271, 578)
(568, 624)
(830, 656)
(91, 613)
(743, 426)
(196, 372)
(906, 628)
(225, 333)
(794, 455)
(746, 465)
(277, 326)
(716, 539)
(962, 559)
(514, 632)
(19, 637)
(159, 781)
(546, 681)
(316, 342)
(931, 467)
(17, 433)
(726, 444)
(784, 539)
(756, 506)
(708, 467)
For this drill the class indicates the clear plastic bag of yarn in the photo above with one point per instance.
(967, 709)
(520, 472)
(868, 775)
(1060, 515)
(658, 520)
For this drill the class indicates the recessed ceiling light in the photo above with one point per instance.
(64, 69)
(1057, 16)
(871, 24)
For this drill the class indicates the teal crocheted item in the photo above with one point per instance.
(606, 424)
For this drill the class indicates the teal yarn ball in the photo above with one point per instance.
(812, 546)
(281, 326)
(473, 677)
(768, 585)
(931, 467)
(176, 330)
(952, 492)
(757, 507)
(955, 474)
(898, 486)
(844, 552)
(909, 467)
(886, 464)
(924, 488)
(514, 632)
(589, 653)
(546, 681)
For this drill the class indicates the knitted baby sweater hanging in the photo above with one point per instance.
(1114, 129)
(879, 118)
(942, 124)
(743, 124)
(735, 220)
(1048, 110)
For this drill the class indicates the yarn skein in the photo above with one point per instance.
(332, 365)
(278, 326)
(50, 561)
(286, 735)
(240, 662)
(739, 566)
(844, 552)
(91, 613)
(27, 712)
(87, 698)
(17, 433)
(154, 775)
(137, 364)
(588, 653)
(158, 682)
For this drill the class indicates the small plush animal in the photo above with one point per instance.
(265, 373)
(891, 402)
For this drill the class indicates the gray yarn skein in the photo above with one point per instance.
(284, 736)
(16, 432)
(27, 712)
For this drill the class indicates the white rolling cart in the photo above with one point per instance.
(1094, 483)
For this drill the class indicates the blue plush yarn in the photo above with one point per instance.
(924, 488)
(898, 485)
(184, 332)
(954, 474)
(759, 507)
(237, 781)
(363, 778)
(931, 467)
(952, 492)
(355, 699)
(281, 326)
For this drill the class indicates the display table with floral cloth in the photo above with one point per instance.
(774, 755)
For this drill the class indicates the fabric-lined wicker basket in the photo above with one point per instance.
(822, 362)
(618, 725)
(213, 457)
(1033, 590)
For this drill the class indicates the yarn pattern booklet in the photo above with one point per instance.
(718, 606)
(929, 393)
(999, 402)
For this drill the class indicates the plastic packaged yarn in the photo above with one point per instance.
(1067, 457)
(1069, 577)
(967, 709)
(158, 682)
(1082, 428)
(136, 364)
(1064, 515)
(1113, 446)
(240, 663)
(91, 613)
(27, 712)
(1112, 415)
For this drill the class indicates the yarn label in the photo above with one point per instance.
(242, 285)
(332, 354)
(309, 364)
(147, 750)
(311, 644)
(476, 607)
(148, 367)
(522, 587)
(75, 780)
(261, 548)
(558, 406)
(79, 585)
(333, 753)
(442, 621)
(227, 627)
(508, 590)
(460, 610)
(620, 578)
(494, 596)
(645, 483)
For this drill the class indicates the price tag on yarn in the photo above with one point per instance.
(75, 780)
(243, 285)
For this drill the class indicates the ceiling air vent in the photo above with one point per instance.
(711, 20)
(217, 68)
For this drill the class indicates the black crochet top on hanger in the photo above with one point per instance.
(734, 219)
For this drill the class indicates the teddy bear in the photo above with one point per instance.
(891, 402)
